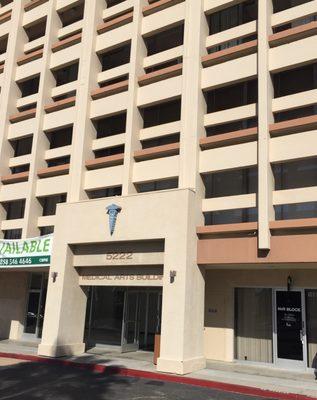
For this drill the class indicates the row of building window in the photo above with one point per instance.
(291, 175)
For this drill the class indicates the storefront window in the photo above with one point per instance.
(253, 325)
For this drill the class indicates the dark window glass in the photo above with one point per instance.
(157, 185)
(3, 44)
(15, 209)
(167, 64)
(295, 113)
(116, 57)
(231, 126)
(12, 234)
(22, 146)
(295, 81)
(60, 137)
(162, 113)
(30, 86)
(109, 151)
(109, 126)
(231, 216)
(50, 203)
(111, 3)
(296, 211)
(64, 96)
(66, 74)
(73, 14)
(296, 23)
(27, 107)
(232, 43)
(58, 161)
(165, 40)
(46, 230)
(280, 5)
(36, 31)
(107, 192)
(20, 168)
(232, 96)
(295, 174)
(5, 2)
(160, 141)
(230, 17)
(231, 183)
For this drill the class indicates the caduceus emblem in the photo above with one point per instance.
(113, 211)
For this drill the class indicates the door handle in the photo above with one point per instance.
(301, 334)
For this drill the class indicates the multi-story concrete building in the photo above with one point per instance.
(197, 121)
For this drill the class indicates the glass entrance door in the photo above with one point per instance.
(127, 318)
(35, 306)
(131, 315)
(289, 332)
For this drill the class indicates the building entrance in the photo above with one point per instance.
(276, 326)
(34, 317)
(290, 332)
(125, 317)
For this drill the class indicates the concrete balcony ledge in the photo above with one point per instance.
(109, 90)
(227, 139)
(15, 178)
(107, 161)
(159, 5)
(160, 75)
(294, 125)
(294, 224)
(245, 227)
(60, 105)
(5, 17)
(68, 42)
(34, 55)
(22, 116)
(53, 171)
(230, 54)
(157, 152)
(33, 3)
(115, 22)
(293, 34)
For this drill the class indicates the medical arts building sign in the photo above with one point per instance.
(34, 252)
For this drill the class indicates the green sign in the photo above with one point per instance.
(33, 252)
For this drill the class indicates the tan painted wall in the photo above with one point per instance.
(13, 298)
(219, 325)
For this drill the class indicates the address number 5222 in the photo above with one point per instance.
(119, 256)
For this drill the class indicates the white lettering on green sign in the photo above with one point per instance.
(26, 252)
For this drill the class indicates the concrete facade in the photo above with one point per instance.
(209, 259)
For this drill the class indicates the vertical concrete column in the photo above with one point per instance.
(182, 341)
(66, 301)
(83, 130)
(33, 208)
(182, 349)
(193, 102)
(134, 119)
(9, 90)
(265, 118)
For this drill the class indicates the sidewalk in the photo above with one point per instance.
(259, 381)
